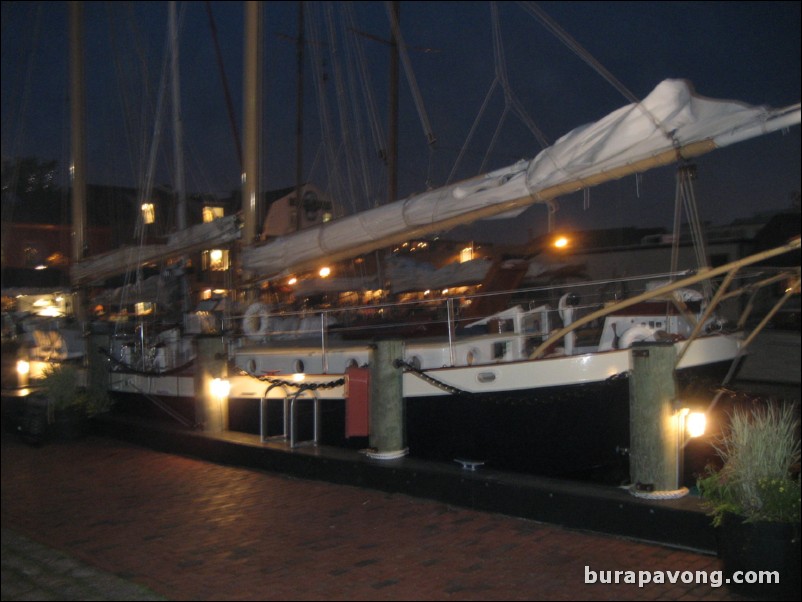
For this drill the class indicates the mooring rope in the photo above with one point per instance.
(399, 363)
(658, 495)
(298, 385)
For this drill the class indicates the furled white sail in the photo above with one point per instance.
(201, 236)
(672, 123)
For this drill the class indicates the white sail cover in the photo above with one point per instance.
(670, 124)
(208, 235)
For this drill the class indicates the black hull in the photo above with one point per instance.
(575, 431)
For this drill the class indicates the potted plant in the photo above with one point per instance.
(754, 497)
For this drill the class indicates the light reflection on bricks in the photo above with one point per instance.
(193, 530)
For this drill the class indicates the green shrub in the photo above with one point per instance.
(62, 386)
(759, 478)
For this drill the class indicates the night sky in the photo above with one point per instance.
(747, 51)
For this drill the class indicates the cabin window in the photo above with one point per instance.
(212, 213)
(500, 350)
(216, 260)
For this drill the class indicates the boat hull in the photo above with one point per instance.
(559, 416)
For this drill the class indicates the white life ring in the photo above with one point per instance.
(256, 321)
(634, 335)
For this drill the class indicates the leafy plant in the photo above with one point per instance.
(759, 478)
(62, 387)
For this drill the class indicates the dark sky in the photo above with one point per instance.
(747, 51)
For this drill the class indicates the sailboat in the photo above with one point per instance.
(540, 386)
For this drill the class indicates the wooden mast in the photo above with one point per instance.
(251, 174)
(77, 142)
(299, 119)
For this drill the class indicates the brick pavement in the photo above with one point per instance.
(32, 571)
(191, 530)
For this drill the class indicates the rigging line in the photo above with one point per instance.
(146, 191)
(369, 184)
(677, 223)
(472, 131)
(583, 54)
(379, 139)
(510, 98)
(413, 84)
(315, 161)
(527, 120)
(334, 184)
(495, 138)
(430, 170)
(226, 89)
(143, 90)
(339, 97)
(353, 80)
(697, 232)
(347, 144)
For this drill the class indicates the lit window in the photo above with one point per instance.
(212, 213)
(466, 254)
(148, 213)
(143, 308)
(215, 260)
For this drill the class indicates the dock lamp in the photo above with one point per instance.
(217, 404)
(695, 424)
(689, 426)
(23, 373)
(220, 389)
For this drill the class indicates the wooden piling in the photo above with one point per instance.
(654, 434)
(387, 433)
(210, 412)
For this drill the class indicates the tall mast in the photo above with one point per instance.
(178, 131)
(252, 118)
(299, 116)
(78, 139)
(392, 137)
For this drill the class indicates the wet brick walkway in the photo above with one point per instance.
(115, 521)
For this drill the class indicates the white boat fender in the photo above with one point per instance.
(256, 321)
(635, 334)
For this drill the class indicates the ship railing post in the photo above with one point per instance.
(451, 329)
